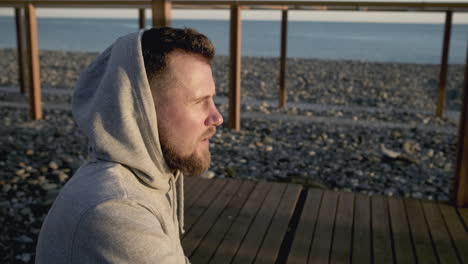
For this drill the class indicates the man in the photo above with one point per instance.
(146, 105)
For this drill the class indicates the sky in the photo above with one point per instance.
(342, 16)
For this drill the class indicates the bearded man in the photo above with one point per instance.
(146, 106)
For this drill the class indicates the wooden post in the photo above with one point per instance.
(443, 66)
(284, 42)
(141, 18)
(461, 170)
(20, 50)
(161, 10)
(34, 91)
(234, 69)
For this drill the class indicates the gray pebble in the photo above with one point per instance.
(6, 188)
(24, 239)
(62, 176)
(49, 186)
(53, 165)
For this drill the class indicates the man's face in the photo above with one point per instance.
(187, 115)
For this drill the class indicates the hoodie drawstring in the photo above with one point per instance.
(179, 191)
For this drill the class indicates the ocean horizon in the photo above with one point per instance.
(361, 41)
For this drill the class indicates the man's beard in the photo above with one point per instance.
(189, 165)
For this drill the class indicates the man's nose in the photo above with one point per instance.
(215, 118)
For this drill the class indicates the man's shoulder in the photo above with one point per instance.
(99, 182)
(95, 208)
(96, 181)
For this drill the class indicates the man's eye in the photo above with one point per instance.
(202, 101)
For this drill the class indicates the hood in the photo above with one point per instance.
(113, 105)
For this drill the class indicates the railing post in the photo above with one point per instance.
(161, 10)
(284, 41)
(34, 91)
(22, 76)
(461, 170)
(141, 18)
(234, 68)
(443, 66)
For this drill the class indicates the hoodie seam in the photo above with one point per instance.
(157, 213)
(122, 186)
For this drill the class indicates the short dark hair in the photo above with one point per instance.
(158, 43)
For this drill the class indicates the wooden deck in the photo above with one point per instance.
(234, 221)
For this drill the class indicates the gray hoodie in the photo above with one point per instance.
(121, 206)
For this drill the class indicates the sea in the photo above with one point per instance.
(376, 42)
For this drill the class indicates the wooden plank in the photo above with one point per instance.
(232, 240)
(440, 235)
(257, 230)
(22, 65)
(443, 65)
(425, 253)
(321, 244)
(192, 184)
(284, 44)
(457, 231)
(402, 243)
(235, 68)
(381, 238)
(463, 212)
(342, 235)
(214, 237)
(299, 252)
(461, 170)
(189, 182)
(268, 253)
(362, 246)
(141, 18)
(199, 207)
(195, 191)
(192, 239)
(34, 91)
(161, 13)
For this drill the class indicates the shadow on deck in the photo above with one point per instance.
(234, 221)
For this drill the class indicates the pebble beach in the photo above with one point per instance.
(349, 125)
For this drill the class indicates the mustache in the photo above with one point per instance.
(209, 133)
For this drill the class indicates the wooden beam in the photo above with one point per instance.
(409, 4)
(443, 65)
(22, 74)
(284, 42)
(141, 18)
(235, 66)
(161, 10)
(34, 92)
(461, 170)
(440, 6)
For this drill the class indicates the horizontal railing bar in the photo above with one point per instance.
(441, 4)
(252, 4)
